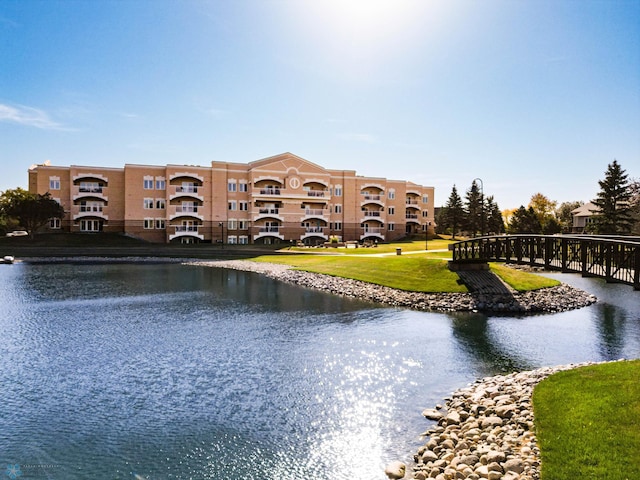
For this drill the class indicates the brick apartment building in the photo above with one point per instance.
(280, 199)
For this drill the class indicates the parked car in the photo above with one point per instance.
(18, 233)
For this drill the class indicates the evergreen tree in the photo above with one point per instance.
(453, 213)
(494, 220)
(474, 210)
(613, 215)
(524, 221)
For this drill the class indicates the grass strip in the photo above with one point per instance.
(522, 281)
(413, 273)
(588, 422)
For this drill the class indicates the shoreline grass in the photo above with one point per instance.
(588, 422)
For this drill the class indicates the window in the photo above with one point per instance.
(148, 203)
(160, 223)
(243, 225)
(232, 239)
(161, 184)
(338, 191)
(232, 224)
(425, 198)
(54, 184)
(160, 203)
(337, 226)
(244, 206)
(392, 210)
(54, 223)
(232, 186)
(242, 187)
(243, 240)
(338, 208)
(391, 227)
(148, 183)
(233, 205)
(425, 213)
(148, 223)
(392, 194)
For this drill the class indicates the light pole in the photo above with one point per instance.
(481, 206)
(426, 235)
(222, 234)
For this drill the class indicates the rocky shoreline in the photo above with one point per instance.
(485, 431)
(548, 300)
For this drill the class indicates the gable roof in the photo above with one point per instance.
(285, 161)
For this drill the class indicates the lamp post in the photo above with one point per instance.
(481, 206)
(222, 234)
(426, 235)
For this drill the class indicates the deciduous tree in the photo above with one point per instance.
(30, 211)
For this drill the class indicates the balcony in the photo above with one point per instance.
(372, 198)
(90, 192)
(371, 215)
(186, 231)
(187, 191)
(268, 213)
(310, 213)
(412, 218)
(85, 212)
(411, 201)
(316, 193)
(185, 211)
(373, 232)
(271, 231)
(314, 232)
(269, 191)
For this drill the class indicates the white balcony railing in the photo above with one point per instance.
(371, 213)
(274, 229)
(315, 193)
(315, 211)
(314, 230)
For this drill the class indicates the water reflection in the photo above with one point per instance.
(610, 322)
(477, 339)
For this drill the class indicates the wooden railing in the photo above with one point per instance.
(616, 259)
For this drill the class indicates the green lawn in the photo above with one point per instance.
(411, 272)
(522, 281)
(588, 422)
(406, 246)
(416, 273)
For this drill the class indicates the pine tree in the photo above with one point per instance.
(613, 214)
(474, 210)
(453, 213)
(524, 221)
(495, 222)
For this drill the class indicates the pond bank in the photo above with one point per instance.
(548, 300)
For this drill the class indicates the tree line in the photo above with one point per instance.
(615, 211)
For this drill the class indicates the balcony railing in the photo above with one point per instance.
(411, 202)
(187, 209)
(275, 229)
(368, 196)
(187, 228)
(314, 230)
(268, 211)
(315, 193)
(411, 216)
(90, 189)
(371, 213)
(187, 189)
(315, 211)
(374, 230)
(269, 191)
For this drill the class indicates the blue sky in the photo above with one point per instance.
(528, 95)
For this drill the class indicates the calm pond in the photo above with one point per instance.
(184, 372)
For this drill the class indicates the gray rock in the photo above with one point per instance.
(395, 470)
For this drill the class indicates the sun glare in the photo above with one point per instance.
(358, 35)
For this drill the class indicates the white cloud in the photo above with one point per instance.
(28, 116)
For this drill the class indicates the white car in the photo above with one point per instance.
(18, 233)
